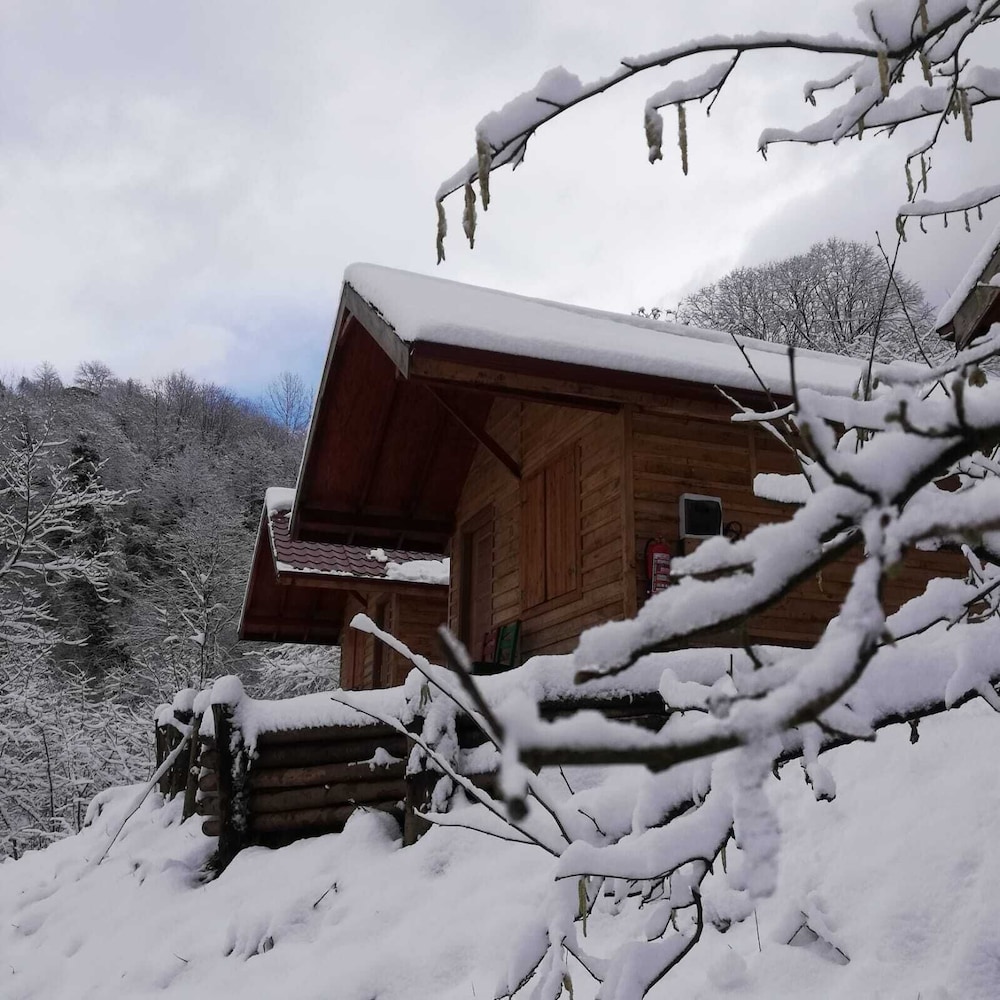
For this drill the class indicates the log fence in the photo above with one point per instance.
(303, 782)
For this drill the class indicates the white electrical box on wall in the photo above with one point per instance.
(700, 516)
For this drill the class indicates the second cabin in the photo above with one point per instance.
(560, 456)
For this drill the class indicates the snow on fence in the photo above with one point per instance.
(270, 772)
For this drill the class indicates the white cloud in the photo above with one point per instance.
(214, 167)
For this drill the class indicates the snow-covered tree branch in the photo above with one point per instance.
(907, 64)
(43, 505)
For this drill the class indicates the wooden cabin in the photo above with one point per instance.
(975, 305)
(310, 591)
(545, 448)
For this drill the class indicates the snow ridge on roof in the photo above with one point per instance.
(435, 310)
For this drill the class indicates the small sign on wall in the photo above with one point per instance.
(700, 516)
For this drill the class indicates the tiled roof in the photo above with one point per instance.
(337, 560)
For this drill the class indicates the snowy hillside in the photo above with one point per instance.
(898, 874)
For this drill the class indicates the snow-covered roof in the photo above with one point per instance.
(422, 309)
(329, 559)
(977, 273)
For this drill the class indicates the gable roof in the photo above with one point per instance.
(417, 311)
(974, 306)
(414, 366)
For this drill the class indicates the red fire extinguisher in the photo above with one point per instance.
(657, 565)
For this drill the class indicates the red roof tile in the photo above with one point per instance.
(323, 557)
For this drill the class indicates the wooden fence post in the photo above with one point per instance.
(233, 784)
(193, 769)
(178, 773)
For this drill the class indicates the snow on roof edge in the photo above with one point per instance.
(969, 280)
(422, 308)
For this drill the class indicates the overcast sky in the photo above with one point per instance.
(183, 183)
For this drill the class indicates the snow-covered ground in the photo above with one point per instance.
(899, 873)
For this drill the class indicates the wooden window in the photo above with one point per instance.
(550, 531)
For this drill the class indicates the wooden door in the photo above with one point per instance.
(476, 594)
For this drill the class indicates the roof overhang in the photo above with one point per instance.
(288, 604)
(979, 309)
(396, 425)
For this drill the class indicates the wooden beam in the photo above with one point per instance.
(526, 394)
(311, 520)
(355, 584)
(480, 434)
(499, 373)
(379, 329)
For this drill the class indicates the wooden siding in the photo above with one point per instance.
(706, 454)
(538, 435)
(413, 619)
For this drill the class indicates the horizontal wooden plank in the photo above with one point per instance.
(212, 827)
(330, 818)
(302, 777)
(339, 752)
(320, 796)
(326, 734)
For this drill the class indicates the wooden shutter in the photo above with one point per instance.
(533, 572)
(562, 525)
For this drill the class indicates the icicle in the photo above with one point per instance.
(883, 72)
(979, 209)
(922, 11)
(925, 66)
(909, 181)
(469, 215)
(442, 229)
(921, 223)
(682, 136)
(963, 101)
(861, 127)
(484, 159)
(945, 220)
(968, 228)
(654, 134)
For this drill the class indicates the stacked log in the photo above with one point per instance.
(308, 781)
(304, 782)
(207, 797)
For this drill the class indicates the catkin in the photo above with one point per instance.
(654, 134)
(442, 229)
(883, 72)
(963, 100)
(484, 160)
(469, 215)
(682, 136)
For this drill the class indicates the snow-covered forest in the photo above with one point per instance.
(127, 518)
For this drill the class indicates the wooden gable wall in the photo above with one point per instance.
(659, 452)
(538, 436)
